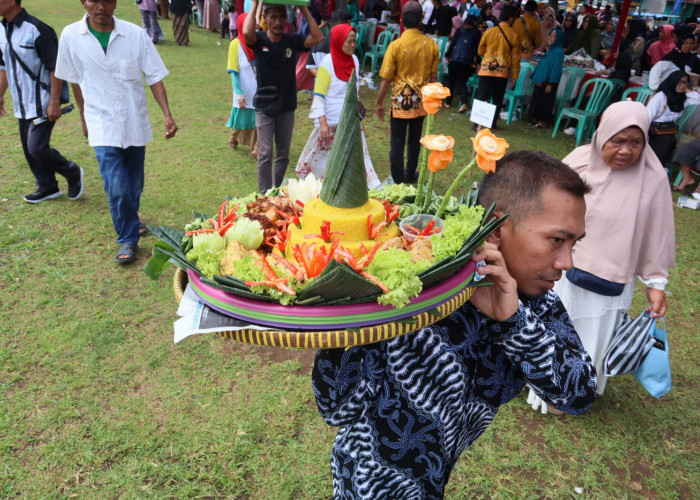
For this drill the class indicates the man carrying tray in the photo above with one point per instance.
(406, 408)
(276, 98)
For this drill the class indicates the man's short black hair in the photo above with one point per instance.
(530, 6)
(339, 17)
(472, 21)
(269, 6)
(411, 20)
(517, 184)
(507, 12)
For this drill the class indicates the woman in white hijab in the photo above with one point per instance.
(629, 229)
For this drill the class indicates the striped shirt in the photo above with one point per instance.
(111, 81)
(35, 44)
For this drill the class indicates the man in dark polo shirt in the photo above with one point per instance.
(28, 49)
(276, 97)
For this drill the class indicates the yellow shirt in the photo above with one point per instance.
(530, 33)
(408, 63)
(499, 58)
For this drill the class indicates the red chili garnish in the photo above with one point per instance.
(326, 232)
(428, 228)
(373, 231)
(199, 231)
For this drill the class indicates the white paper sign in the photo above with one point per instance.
(482, 113)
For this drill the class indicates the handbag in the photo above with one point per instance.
(655, 371)
(663, 128)
(593, 283)
(631, 342)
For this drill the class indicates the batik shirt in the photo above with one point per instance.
(408, 407)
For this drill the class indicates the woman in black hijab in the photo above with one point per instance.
(634, 43)
(664, 108)
(569, 28)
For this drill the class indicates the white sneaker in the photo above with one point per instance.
(570, 131)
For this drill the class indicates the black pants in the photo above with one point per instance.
(457, 77)
(492, 88)
(399, 128)
(44, 161)
(542, 103)
(663, 146)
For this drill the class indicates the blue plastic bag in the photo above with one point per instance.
(655, 371)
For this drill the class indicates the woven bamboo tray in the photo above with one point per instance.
(340, 338)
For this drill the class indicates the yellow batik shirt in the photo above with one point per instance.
(530, 32)
(498, 57)
(408, 63)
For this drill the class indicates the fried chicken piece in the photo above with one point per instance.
(421, 249)
(397, 242)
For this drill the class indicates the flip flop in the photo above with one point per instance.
(126, 253)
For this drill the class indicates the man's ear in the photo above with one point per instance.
(497, 235)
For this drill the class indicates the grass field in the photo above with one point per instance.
(97, 402)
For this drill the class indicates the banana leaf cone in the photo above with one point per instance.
(345, 183)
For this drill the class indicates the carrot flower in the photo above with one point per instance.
(441, 151)
(488, 149)
(432, 95)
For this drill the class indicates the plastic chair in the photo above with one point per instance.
(680, 122)
(642, 94)
(586, 117)
(362, 30)
(473, 83)
(572, 77)
(442, 43)
(618, 86)
(521, 89)
(376, 53)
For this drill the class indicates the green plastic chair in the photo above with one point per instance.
(362, 30)
(473, 83)
(521, 89)
(586, 117)
(642, 94)
(376, 53)
(568, 93)
(442, 43)
(680, 122)
(618, 86)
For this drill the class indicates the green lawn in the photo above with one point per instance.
(97, 401)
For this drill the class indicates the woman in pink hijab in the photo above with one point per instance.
(629, 229)
(662, 46)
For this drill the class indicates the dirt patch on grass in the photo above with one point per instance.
(274, 354)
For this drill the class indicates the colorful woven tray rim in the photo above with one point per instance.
(323, 317)
(331, 339)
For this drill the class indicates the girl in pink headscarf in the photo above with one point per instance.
(663, 46)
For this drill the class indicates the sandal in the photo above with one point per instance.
(126, 253)
(143, 230)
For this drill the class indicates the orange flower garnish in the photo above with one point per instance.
(432, 95)
(437, 142)
(488, 149)
(441, 147)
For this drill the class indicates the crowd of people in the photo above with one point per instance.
(549, 316)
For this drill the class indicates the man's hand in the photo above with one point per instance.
(657, 302)
(511, 83)
(53, 111)
(170, 127)
(380, 111)
(548, 89)
(499, 301)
